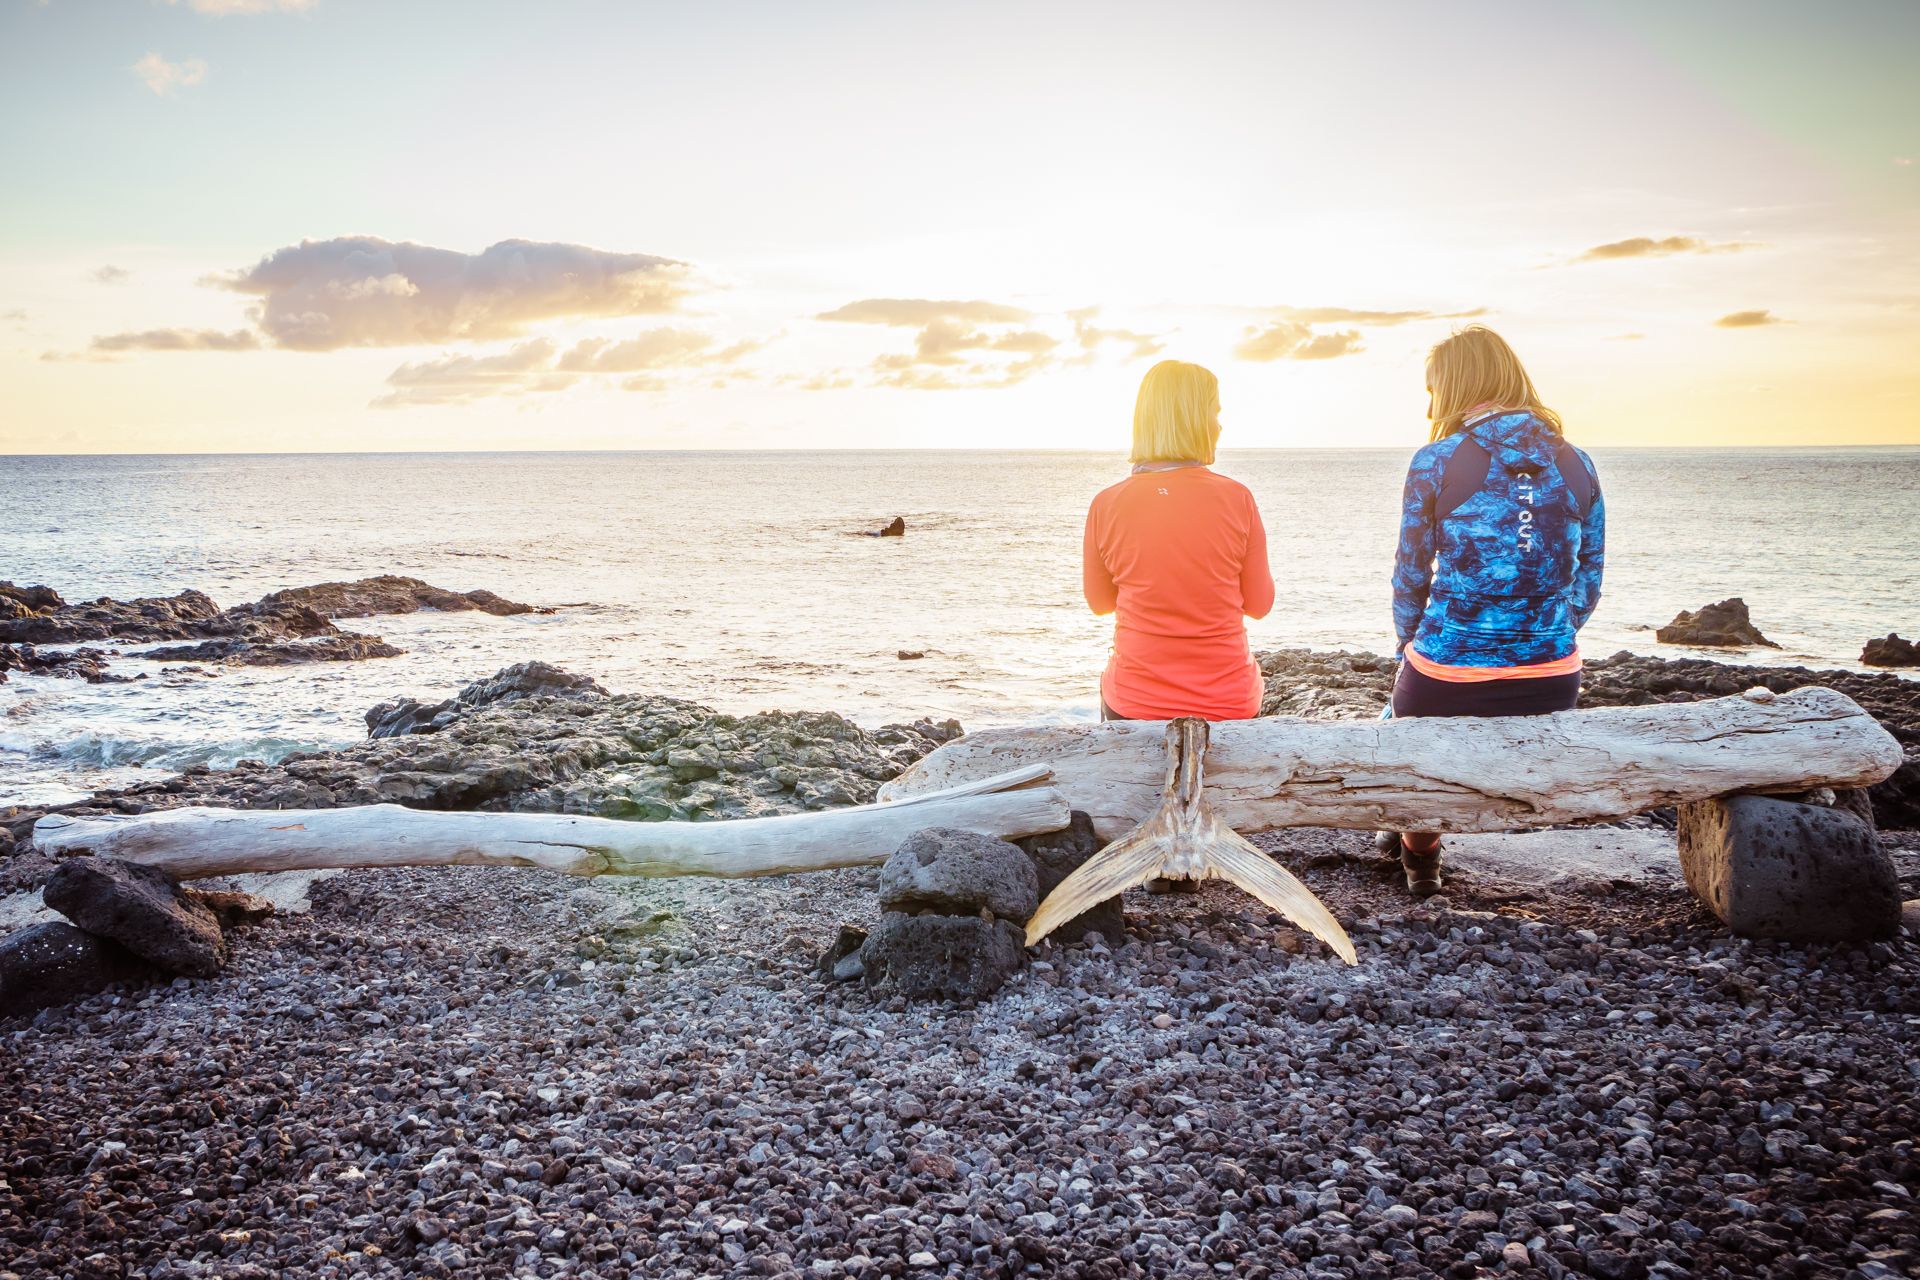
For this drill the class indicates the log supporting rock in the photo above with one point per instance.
(1789, 870)
(1495, 774)
(195, 842)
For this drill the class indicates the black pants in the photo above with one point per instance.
(1416, 694)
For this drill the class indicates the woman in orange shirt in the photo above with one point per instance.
(1178, 553)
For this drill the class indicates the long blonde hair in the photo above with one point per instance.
(1476, 368)
(1176, 416)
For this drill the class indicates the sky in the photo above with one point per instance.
(299, 225)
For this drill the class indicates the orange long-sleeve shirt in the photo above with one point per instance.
(1181, 556)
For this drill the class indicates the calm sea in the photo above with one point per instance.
(735, 578)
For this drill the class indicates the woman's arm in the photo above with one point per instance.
(1413, 562)
(1256, 578)
(1103, 595)
(1591, 563)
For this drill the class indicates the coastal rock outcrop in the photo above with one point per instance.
(50, 964)
(27, 602)
(186, 616)
(240, 651)
(1772, 868)
(387, 593)
(143, 909)
(509, 684)
(1726, 625)
(636, 756)
(1891, 652)
(71, 664)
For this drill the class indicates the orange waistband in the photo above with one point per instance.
(1470, 675)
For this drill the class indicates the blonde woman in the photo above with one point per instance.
(1502, 541)
(1179, 555)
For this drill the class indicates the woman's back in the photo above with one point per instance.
(1181, 555)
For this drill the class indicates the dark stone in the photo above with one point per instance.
(73, 664)
(1056, 855)
(1723, 625)
(943, 957)
(1891, 652)
(959, 872)
(896, 528)
(509, 684)
(388, 593)
(23, 602)
(232, 908)
(846, 945)
(1896, 800)
(347, 646)
(910, 655)
(1779, 869)
(143, 909)
(48, 964)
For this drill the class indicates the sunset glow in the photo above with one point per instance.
(263, 227)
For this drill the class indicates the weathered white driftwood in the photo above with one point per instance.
(1185, 840)
(1499, 774)
(197, 842)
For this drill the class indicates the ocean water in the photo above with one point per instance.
(739, 579)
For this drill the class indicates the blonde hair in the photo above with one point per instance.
(1176, 417)
(1476, 368)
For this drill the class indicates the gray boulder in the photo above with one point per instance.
(54, 963)
(1057, 855)
(143, 909)
(1780, 869)
(509, 684)
(943, 957)
(957, 872)
(1725, 625)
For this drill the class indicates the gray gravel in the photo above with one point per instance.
(483, 1072)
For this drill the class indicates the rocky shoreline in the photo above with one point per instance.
(469, 1071)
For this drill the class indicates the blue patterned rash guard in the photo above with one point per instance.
(1502, 539)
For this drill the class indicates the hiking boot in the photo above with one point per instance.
(1388, 843)
(1423, 871)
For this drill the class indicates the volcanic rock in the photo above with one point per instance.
(233, 908)
(49, 964)
(1779, 869)
(958, 872)
(23, 602)
(631, 756)
(1891, 652)
(346, 646)
(72, 664)
(1723, 625)
(180, 617)
(943, 957)
(1056, 855)
(387, 593)
(841, 962)
(895, 528)
(143, 909)
(509, 684)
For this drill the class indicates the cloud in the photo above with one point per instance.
(1648, 247)
(177, 340)
(915, 312)
(164, 77)
(360, 291)
(652, 359)
(230, 8)
(1091, 337)
(1349, 315)
(1287, 340)
(110, 274)
(1748, 319)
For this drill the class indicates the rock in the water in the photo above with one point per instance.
(387, 593)
(143, 909)
(1056, 855)
(180, 617)
(910, 655)
(25, 602)
(943, 957)
(509, 684)
(1779, 869)
(896, 528)
(239, 651)
(959, 872)
(1891, 652)
(71, 664)
(48, 964)
(1723, 625)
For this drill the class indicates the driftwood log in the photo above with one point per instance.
(194, 842)
(1499, 774)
